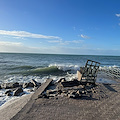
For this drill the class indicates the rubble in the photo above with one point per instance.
(9, 85)
(70, 89)
(17, 92)
(63, 88)
(16, 89)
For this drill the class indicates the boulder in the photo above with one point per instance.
(43, 95)
(51, 91)
(18, 91)
(74, 94)
(62, 80)
(8, 92)
(35, 83)
(26, 85)
(70, 83)
(9, 85)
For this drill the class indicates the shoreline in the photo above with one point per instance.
(106, 98)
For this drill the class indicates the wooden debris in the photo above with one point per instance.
(41, 89)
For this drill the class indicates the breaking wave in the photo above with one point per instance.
(53, 70)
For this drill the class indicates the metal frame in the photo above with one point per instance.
(88, 73)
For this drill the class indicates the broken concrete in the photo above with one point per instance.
(18, 91)
(9, 85)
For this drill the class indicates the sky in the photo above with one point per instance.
(83, 27)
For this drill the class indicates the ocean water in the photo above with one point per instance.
(24, 67)
(16, 67)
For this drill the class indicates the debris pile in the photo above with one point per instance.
(17, 89)
(71, 89)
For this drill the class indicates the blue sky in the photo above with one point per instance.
(90, 27)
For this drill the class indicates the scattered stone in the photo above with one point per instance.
(63, 95)
(51, 91)
(62, 80)
(31, 90)
(35, 83)
(26, 85)
(74, 94)
(8, 92)
(9, 85)
(17, 92)
(70, 83)
(71, 96)
(51, 95)
(43, 95)
(78, 92)
(21, 84)
(59, 91)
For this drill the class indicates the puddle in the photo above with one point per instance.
(107, 81)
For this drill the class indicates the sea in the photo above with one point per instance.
(23, 67)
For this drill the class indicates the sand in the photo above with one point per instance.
(103, 105)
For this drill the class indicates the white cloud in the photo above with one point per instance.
(18, 47)
(66, 42)
(84, 36)
(76, 41)
(55, 41)
(26, 34)
(118, 15)
(3, 43)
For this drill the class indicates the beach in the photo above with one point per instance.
(104, 105)
(22, 68)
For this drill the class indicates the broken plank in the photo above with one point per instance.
(41, 89)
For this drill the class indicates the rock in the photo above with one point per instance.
(21, 84)
(35, 83)
(31, 90)
(70, 83)
(9, 85)
(78, 92)
(16, 84)
(74, 94)
(43, 95)
(59, 91)
(62, 80)
(51, 91)
(51, 95)
(8, 92)
(71, 96)
(63, 95)
(18, 91)
(26, 85)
